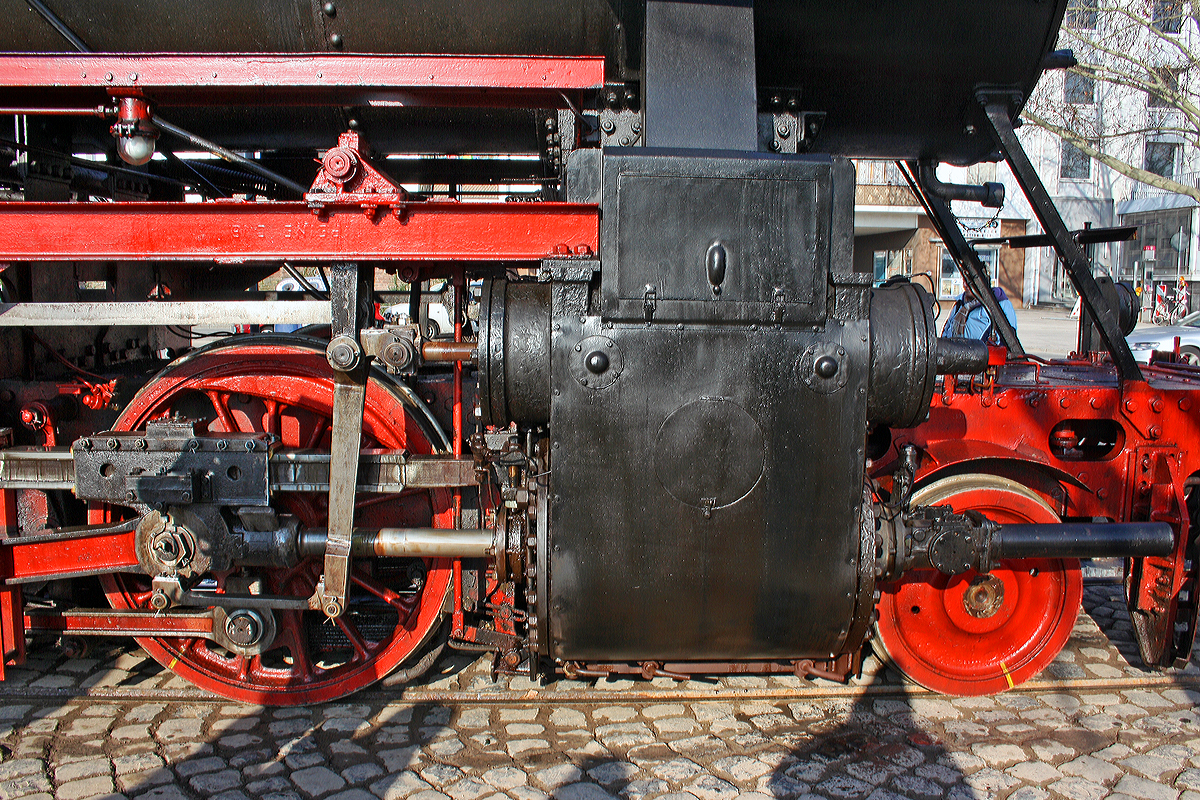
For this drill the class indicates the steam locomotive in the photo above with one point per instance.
(673, 432)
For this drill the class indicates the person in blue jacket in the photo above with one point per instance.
(969, 319)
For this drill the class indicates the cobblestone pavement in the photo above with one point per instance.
(1092, 726)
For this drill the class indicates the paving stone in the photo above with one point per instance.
(614, 713)
(568, 718)
(136, 782)
(400, 758)
(842, 786)
(85, 789)
(999, 755)
(351, 794)
(1078, 789)
(557, 775)
(1188, 779)
(912, 785)
(675, 725)
(710, 787)
(645, 787)
(317, 781)
(520, 746)
(1092, 768)
(211, 783)
(1034, 772)
(1144, 789)
(781, 786)
(678, 770)
(505, 777)
(275, 783)
(441, 774)
(82, 769)
(467, 789)
(580, 791)
(613, 772)
(361, 773)
(1150, 766)
(741, 768)
(398, 785)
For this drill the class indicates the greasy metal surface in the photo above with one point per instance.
(903, 339)
(307, 471)
(514, 352)
(637, 569)
(350, 285)
(930, 53)
(700, 57)
(37, 468)
(405, 543)
(665, 210)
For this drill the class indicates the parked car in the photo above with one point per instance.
(1145, 340)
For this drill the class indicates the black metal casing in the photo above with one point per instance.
(707, 500)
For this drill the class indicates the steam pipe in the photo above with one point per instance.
(989, 195)
(1084, 540)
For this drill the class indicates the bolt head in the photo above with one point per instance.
(596, 362)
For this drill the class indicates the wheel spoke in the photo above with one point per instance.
(394, 599)
(220, 401)
(352, 633)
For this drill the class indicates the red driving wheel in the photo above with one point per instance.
(976, 634)
(282, 385)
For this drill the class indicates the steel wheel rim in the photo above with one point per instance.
(291, 373)
(936, 643)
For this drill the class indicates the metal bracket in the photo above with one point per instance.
(997, 107)
(966, 258)
(347, 179)
(350, 286)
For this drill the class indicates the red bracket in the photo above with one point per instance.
(346, 178)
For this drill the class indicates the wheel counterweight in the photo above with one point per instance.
(282, 385)
(973, 633)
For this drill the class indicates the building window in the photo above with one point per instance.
(1160, 158)
(1079, 89)
(1074, 164)
(1168, 16)
(950, 282)
(1170, 79)
(892, 263)
(1082, 14)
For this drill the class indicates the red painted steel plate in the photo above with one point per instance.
(301, 78)
(238, 232)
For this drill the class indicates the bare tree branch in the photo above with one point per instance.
(1129, 171)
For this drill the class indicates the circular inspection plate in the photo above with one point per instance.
(709, 453)
(597, 362)
(815, 359)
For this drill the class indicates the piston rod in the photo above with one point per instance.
(405, 542)
(1084, 540)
